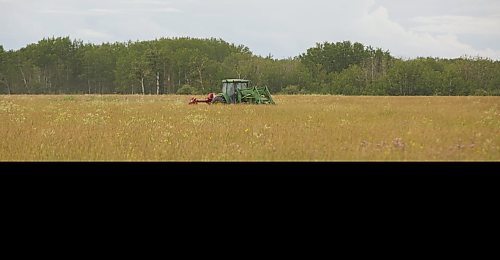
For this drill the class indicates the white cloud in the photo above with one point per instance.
(445, 28)
(379, 29)
(158, 10)
(458, 24)
(147, 2)
(103, 11)
(72, 12)
(92, 35)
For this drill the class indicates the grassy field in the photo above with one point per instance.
(298, 128)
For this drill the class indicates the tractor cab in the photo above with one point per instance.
(230, 88)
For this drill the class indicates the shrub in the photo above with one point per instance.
(291, 90)
(186, 90)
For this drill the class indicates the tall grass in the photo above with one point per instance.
(298, 128)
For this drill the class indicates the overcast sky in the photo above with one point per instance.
(283, 28)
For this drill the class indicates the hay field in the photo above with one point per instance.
(298, 128)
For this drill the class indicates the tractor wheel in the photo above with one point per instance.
(218, 99)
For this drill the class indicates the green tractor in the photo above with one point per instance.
(235, 91)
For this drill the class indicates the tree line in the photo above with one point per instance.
(197, 66)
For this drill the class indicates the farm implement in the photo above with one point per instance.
(236, 91)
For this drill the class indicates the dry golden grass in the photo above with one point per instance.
(299, 128)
